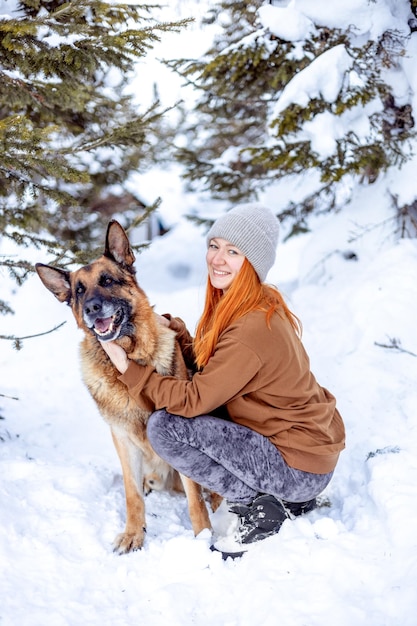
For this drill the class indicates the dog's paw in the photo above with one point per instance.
(129, 542)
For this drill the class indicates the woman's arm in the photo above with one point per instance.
(226, 376)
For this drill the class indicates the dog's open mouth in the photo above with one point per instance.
(103, 326)
(108, 327)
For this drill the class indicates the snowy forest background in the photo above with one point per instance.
(308, 107)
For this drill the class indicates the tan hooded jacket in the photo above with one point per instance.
(262, 376)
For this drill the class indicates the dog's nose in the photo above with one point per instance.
(92, 306)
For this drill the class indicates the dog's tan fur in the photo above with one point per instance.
(112, 276)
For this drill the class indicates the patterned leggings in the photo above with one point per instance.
(234, 461)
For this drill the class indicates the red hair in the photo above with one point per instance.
(245, 294)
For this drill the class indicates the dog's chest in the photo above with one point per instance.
(109, 393)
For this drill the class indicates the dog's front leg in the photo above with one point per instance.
(131, 460)
(196, 505)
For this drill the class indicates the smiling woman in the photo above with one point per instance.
(252, 424)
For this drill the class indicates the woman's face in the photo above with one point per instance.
(224, 261)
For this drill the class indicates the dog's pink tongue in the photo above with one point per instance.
(103, 324)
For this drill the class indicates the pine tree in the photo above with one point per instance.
(238, 145)
(70, 134)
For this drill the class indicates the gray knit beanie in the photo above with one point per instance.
(254, 230)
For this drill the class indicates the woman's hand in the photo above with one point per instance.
(161, 319)
(116, 354)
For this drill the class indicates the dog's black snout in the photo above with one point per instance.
(93, 306)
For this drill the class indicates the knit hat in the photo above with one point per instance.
(254, 230)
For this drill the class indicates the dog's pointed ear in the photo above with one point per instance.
(56, 280)
(117, 245)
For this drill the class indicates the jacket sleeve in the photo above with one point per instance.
(226, 375)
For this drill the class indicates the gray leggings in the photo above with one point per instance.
(234, 461)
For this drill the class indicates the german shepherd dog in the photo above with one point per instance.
(109, 305)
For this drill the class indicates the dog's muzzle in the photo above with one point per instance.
(104, 318)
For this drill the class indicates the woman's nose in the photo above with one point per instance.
(219, 257)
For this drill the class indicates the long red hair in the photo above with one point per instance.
(245, 294)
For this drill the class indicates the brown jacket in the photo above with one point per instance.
(262, 375)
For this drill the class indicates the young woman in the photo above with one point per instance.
(253, 424)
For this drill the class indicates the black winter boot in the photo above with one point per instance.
(263, 518)
(258, 520)
(300, 508)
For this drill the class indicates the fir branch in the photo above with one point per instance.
(18, 345)
(68, 135)
(395, 344)
(5, 308)
(2, 395)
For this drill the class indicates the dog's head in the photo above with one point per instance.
(100, 294)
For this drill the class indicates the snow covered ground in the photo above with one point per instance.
(62, 502)
(62, 498)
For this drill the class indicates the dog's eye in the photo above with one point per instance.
(106, 281)
(79, 290)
